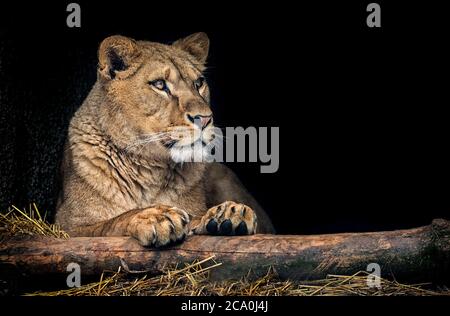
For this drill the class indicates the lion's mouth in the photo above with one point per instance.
(169, 143)
(173, 143)
(189, 140)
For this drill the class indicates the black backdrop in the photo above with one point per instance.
(362, 112)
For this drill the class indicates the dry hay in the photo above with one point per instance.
(28, 222)
(193, 279)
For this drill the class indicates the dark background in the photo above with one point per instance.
(362, 112)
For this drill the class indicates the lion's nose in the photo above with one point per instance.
(200, 120)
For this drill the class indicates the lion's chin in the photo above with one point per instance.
(196, 152)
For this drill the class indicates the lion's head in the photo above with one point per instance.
(156, 98)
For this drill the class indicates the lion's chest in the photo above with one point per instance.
(173, 186)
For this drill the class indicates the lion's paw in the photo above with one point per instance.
(228, 219)
(159, 225)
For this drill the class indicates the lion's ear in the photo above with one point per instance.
(196, 44)
(119, 57)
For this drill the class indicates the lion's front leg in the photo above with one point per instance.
(227, 219)
(157, 225)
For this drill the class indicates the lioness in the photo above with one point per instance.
(127, 167)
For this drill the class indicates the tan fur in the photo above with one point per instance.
(116, 184)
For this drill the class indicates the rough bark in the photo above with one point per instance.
(413, 254)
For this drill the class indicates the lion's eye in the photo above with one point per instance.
(160, 84)
(199, 83)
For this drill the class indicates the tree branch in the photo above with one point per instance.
(413, 254)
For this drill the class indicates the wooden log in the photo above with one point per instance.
(413, 254)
